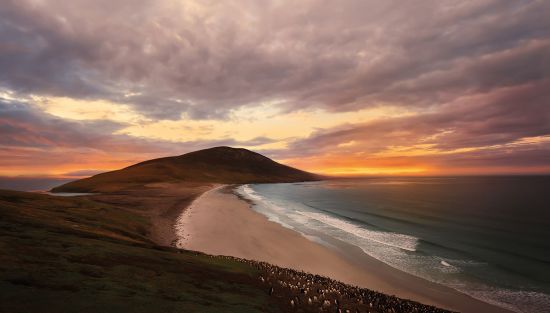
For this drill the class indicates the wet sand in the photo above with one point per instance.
(220, 223)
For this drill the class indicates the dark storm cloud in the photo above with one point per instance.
(206, 58)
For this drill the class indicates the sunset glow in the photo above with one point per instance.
(368, 88)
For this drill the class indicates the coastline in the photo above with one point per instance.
(159, 203)
(168, 209)
(218, 222)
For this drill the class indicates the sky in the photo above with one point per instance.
(334, 87)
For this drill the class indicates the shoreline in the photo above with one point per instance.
(168, 210)
(220, 222)
(159, 203)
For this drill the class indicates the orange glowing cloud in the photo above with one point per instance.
(361, 95)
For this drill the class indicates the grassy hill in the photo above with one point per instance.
(110, 252)
(77, 255)
(215, 165)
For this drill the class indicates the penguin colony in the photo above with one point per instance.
(299, 291)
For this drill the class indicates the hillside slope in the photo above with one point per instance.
(76, 254)
(215, 165)
(72, 254)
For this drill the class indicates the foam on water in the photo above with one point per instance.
(273, 213)
(390, 239)
(394, 249)
(390, 248)
(249, 193)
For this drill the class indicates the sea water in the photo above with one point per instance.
(488, 237)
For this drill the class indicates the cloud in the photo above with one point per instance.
(36, 142)
(23, 125)
(82, 173)
(473, 78)
(507, 127)
(197, 59)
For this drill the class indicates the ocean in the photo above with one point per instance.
(488, 237)
(32, 183)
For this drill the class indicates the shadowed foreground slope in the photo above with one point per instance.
(215, 165)
(79, 255)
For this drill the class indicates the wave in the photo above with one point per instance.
(397, 250)
(513, 300)
(396, 240)
(252, 195)
(400, 241)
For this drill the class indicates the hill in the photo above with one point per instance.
(72, 254)
(215, 165)
(78, 254)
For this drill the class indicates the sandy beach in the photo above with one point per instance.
(220, 223)
(161, 203)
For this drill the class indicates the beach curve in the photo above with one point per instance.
(218, 222)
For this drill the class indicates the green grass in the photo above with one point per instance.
(76, 255)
